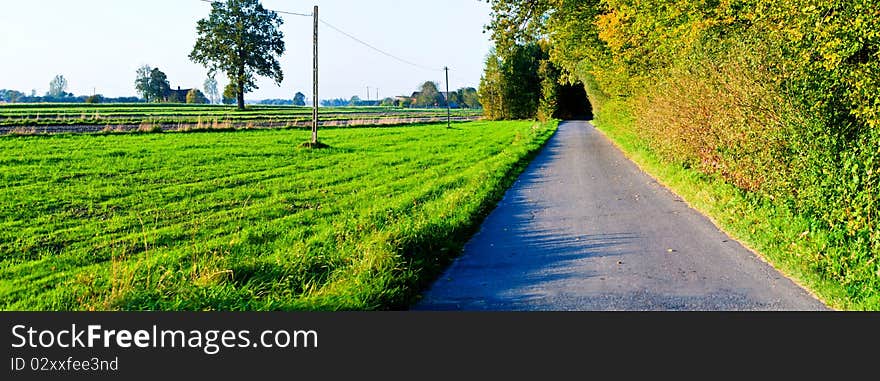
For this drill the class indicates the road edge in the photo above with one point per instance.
(760, 256)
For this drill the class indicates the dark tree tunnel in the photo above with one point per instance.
(573, 103)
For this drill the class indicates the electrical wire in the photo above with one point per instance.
(282, 12)
(379, 50)
(346, 34)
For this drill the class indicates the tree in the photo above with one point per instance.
(355, 101)
(519, 22)
(58, 87)
(469, 98)
(229, 94)
(195, 96)
(548, 105)
(159, 85)
(211, 89)
(299, 99)
(97, 98)
(429, 95)
(454, 99)
(404, 102)
(11, 96)
(337, 102)
(521, 69)
(151, 83)
(491, 88)
(142, 82)
(242, 39)
(511, 87)
(387, 102)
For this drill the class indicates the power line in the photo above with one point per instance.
(353, 38)
(283, 12)
(346, 34)
(379, 50)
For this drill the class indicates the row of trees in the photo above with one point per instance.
(15, 96)
(428, 96)
(779, 98)
(58, 94)
(466, 97)
(152, 84)
(242, 39)
(299, 99)
(521, 82)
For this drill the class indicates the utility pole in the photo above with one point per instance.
(448, 110)
(368, 93)
(315, 83)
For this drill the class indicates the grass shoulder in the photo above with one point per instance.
(787, 241)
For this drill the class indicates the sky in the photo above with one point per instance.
(99, 44)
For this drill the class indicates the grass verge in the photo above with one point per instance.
(790, 242)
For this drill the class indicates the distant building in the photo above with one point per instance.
(177, 96)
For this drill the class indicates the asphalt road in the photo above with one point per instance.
(584, 229)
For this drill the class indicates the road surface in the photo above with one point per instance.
(584, 229)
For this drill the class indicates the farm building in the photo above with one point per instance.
(177, 96)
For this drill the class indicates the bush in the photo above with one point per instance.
(195, 96)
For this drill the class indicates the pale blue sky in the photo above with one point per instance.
(100, 43)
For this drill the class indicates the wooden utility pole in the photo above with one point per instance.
(448, 111)
(315, 84)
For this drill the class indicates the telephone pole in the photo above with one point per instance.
(448, 110)
(315, 84)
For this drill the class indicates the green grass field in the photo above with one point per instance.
(246, 220)
(20, 115)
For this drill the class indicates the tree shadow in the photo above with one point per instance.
(515, 253)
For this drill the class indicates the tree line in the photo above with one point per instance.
(58, 94)
(427, 96)
(243, 40)
(520, 81)
(780, 99)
